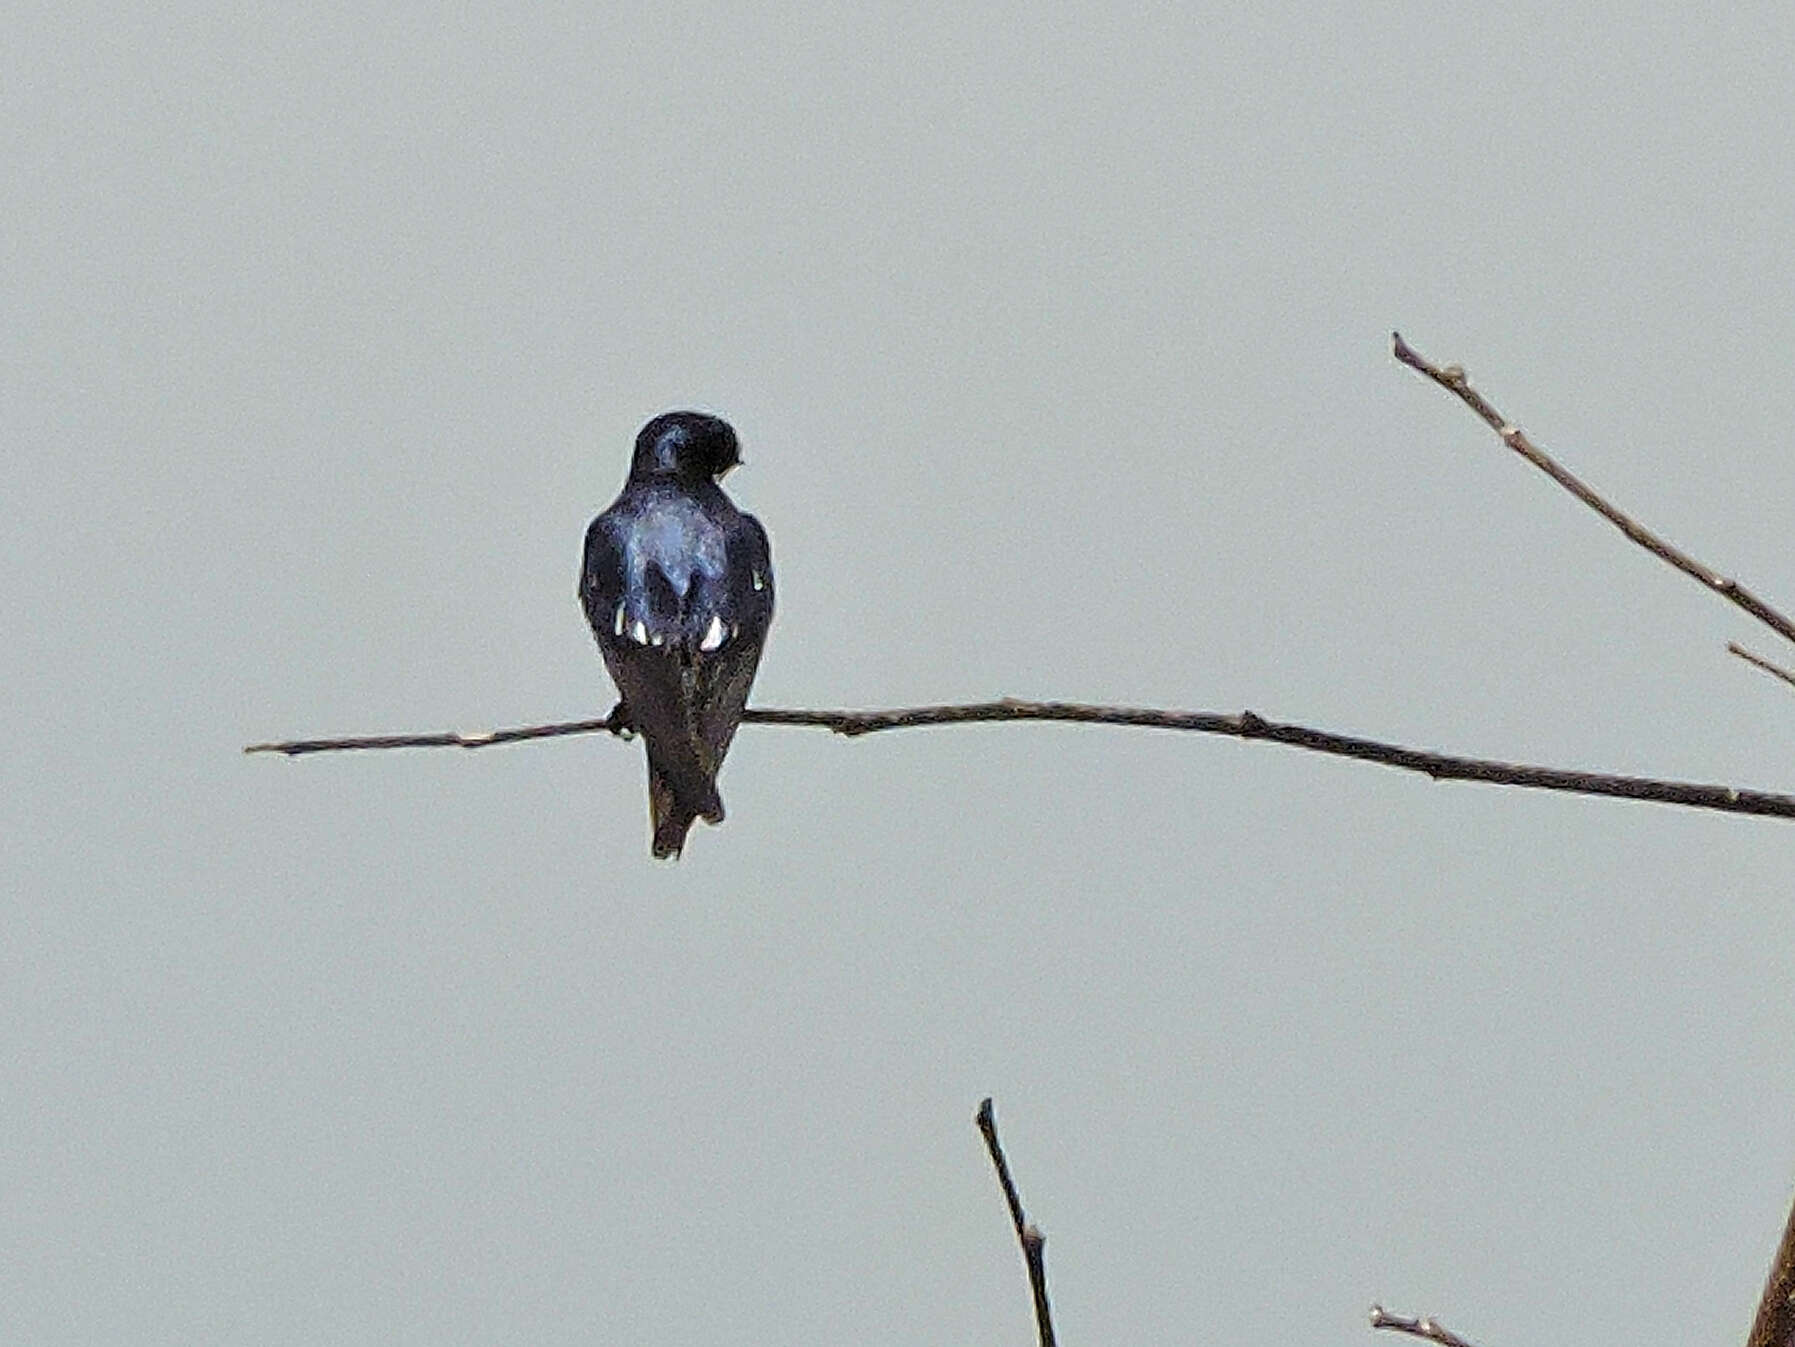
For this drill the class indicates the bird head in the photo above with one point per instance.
(691, 446)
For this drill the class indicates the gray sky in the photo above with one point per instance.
(1057, 342)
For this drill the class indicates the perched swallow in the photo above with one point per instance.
(678, 586)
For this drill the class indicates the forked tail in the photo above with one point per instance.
(672, 817)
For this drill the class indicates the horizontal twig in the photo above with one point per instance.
(1452, 379)
(298, 748)
(1244, 725)
(1430, 1329)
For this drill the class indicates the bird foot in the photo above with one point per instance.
(621, 725)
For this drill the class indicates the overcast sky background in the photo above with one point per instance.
(1057, 341)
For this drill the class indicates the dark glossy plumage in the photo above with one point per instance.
(678, 586)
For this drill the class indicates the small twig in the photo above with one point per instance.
(1033, 1242)
(1430, 1329)
(1775, 669)
(1452, 379)
(295, 748)
(1245, 725)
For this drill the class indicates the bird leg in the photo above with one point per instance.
(621, 724)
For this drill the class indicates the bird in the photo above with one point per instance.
(677, 584)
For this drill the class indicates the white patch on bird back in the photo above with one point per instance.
(678, 542)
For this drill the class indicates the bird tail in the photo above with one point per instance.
(672, 816)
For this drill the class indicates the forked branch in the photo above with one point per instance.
(1245, 724)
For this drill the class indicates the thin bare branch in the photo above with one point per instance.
(1775, 1324)
(295, 748)
(1033, 1242)
(1245, 725)
(1767, 666)
(1430, 1329)
(1452, 379)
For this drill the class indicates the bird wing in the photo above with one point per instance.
(601, 575)
(735, 610)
